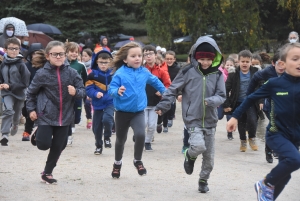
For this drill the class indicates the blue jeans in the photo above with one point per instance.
(103, 119)
(289, 161)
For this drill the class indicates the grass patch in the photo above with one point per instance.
(181, 57)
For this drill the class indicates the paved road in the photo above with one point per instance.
(84, 176)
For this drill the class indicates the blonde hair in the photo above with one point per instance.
(122, 55)
(286, 48)
(72, 46)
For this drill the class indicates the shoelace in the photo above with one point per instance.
(106, 141)
(116, 171)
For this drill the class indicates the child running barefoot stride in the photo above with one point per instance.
(283, 131)
(50, 100)
(129, 96)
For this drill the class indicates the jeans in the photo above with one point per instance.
(150, 123)
(248, 122)
(103, 119)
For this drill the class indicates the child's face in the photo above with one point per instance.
(12, 50)
(170, 59)
(245, 63)
(56, 56)
(255, 62)
(279, 68)
(228, 64)
(134, 57)
(85, 57)
(158, 61)
(103, 64)
(72, 55)
(205, 63)
(79, 57)
(149, 56)
(292, 63)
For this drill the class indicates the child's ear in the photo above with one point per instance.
(281, 63)
(5, 50)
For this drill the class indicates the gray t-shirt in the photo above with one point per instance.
(244, 83)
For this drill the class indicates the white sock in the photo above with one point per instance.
(135, 160)
(118, 162)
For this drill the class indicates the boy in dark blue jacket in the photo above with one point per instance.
(97, 89)
(283, 131)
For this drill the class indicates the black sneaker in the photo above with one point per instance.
(116, 171)
(140, 168)
(107, 143)
(188, 163)
(229, 136)
(203, 188)
(275, 155)
(148, 147)
(269, 157)
(33, 137)
(48, 178)
(4, 140)
(159, 128)
(98, 151)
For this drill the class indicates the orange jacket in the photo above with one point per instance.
(162, 75)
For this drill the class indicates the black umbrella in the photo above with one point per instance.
(45, 28)
(122, 43)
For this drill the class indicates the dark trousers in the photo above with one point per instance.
(77, 110)
(267, 148)
(186, 137)
(289, 161)
(248, 122)
(136, 121)
(88, 108)
(29, 124)
(167, 116)
(53, 138)
(103, 119)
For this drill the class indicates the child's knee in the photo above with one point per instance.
(198, 147)
(43, 145)
(8, 112)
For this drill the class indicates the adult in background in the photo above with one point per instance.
(8, 32)
(293, 37)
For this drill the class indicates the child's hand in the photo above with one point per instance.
(231, 124)
(158, 93)
(121, 90)
(1, 86)
(71, 90)
(158, 112)
(228, 109)
(99, 95)
(261, 106)
(33, 116)
(5, 86)
(179, 98)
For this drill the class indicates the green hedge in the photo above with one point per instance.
(182, 48)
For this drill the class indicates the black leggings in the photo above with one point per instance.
(55, 138)
(136, 121)
(29, 123)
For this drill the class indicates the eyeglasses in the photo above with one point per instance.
(55, 54)
(103, 63)
(169, 59)
(13, 49)
(148, 54)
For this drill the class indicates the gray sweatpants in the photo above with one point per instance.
(202, 141)
(11, 113)
(150, 122)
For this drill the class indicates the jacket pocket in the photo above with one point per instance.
(187, 111)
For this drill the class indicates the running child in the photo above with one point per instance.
(129, 96)
(50, 100)
(283, 133)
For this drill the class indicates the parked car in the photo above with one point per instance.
(183, 39)
(119, 37)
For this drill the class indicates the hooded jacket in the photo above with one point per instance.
(14, 72)
(4, 36)
(33, 47)
(48, 94)
(98, 81)
(197, 89)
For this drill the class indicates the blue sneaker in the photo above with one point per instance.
(264, 192)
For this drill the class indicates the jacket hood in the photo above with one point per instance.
(101, 39)
(5, 27)
(9, 60)
(206, 39)
(95, 56)
(33, 47)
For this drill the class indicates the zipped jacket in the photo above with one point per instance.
(48, 94)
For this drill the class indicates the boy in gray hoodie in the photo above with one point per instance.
(14, 79)
(203, 90)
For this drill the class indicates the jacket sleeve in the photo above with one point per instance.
(83, 74)
(114, 86)
(170, 94)
(90, 86)
(32, 92)
(256, 80)
(262, 92)
(228, 86)
(79, 87)
(25, 78)
(165, 77)
(220, 94)
(155, 82)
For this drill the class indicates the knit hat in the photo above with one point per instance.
(205, 50)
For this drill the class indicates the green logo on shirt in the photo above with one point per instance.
(282, 93)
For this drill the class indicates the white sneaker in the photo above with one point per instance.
(70, 141)
(73, 130)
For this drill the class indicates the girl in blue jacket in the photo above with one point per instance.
(129, 97)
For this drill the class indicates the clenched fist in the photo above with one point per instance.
(71, 90)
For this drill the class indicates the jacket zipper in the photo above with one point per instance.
(60, 97)
(203, 102)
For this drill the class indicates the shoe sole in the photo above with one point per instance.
(203, 191)
(149, 150)
(257, 190)
(43, 181)
(97, 153)
(25, 139)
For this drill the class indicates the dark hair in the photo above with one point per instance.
(121, 55)
(170, 52)
(229, 59)
(245, 53)
(276, 56)
(149, 48)
(257, 57)
(12, 40)
(104, 55)
(88, 51)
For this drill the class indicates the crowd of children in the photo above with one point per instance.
(138, 88)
